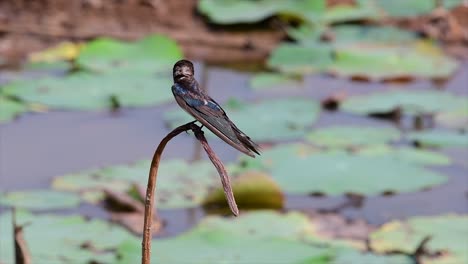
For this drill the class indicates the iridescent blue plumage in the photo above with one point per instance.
(193, 100)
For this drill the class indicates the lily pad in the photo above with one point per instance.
(354, 256)
(9, 109)
(439, 138)
(263, 237)
(315, 11)
(300, 60)
(408, 8)
(180, 184)
(39, 200)
(348, 136)
(385, 62)
(447, 236)
(86, 91)
(337, 172)
(263, 81)
(269, 120)
(410, 102)
(348, 34)
(406, 154)
(150, 54)
(93, 243)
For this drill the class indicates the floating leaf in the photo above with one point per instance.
(268, 80)
(251, 190)
(447, 234)
(39, 200)
(405, 8)
(54, 239)
(264, 237)
(86, 91)
(386, 62)
(406, 154)
(150, 54)
(180, 184)
(315, 11)
(436, 138)
(9, 109)
(268, 120)
(354, 256)
(410, 102)
(349, 34)
(297, 59)
(337, 172)
(347, 136)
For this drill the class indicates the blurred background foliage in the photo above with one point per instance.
(360, 107)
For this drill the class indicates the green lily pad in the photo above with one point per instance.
(263, 81)
(54, 239)
(180, 184)
(410, 102)
(349, 34)
(252, 190)
(86, 91)
(300, 60)
(407, 154)
(315, 11)
(353, 256)
(10, 109)
(384, 62)
(447, 234)
(437, 138)
(39, 200)
(347, 136)
(263, 237)
(268, 120)
(336, 172)
(150, 54)
(409, 8)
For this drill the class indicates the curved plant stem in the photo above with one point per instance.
(153, 173)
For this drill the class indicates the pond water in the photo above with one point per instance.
(37, 147)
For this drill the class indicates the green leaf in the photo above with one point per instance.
(353, 256)
(348, 34)
(348, 136)
(437, 138)
(336, 172)
(55, 239)
(384, 62)
(10, 109)
(447, 234)
(410, 102)
(180, 184)
(39, 200)
(150, 54)
(263, 237)
(268, 120)
(406, 154)
(85, 91)
(297, 59)
(409, 8)
(263, 81)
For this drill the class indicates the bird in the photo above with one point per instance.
(190, 97)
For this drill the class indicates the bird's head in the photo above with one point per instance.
(182, 69)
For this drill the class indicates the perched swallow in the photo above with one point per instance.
(194, 101)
